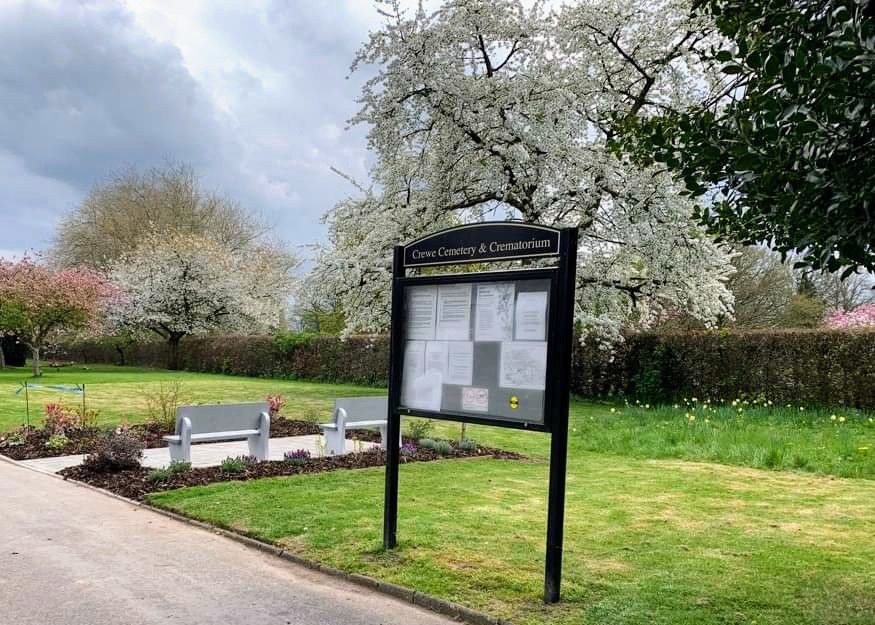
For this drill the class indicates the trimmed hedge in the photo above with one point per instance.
(813, 367)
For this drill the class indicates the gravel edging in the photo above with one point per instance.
(408, 595)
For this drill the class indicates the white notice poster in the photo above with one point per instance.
(436, 357)
(419, 388)
(421, 302)
(423, 392)
(414, 360)
(531, 316)
(523, 365)
(494, 312)
(454, 312)
(460, 362)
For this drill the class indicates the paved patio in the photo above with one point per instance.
(204, 455)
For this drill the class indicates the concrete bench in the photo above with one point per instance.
(352, 413)
(223, 422)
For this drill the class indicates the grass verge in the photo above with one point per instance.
(646, 541)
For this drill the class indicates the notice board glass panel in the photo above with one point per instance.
(477, 348)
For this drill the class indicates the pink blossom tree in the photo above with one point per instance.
(860, 317)
(39, 303)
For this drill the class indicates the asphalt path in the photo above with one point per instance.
(73, 556)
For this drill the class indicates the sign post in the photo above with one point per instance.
(492, 348)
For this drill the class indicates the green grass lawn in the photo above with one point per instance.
(653, 534)
(647, 541)
(119, 393)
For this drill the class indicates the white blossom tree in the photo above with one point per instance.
(494, 109)
(187, 284)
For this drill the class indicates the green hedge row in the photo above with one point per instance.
(814, 367)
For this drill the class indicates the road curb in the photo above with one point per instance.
(408, 595)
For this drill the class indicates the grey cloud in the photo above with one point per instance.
(84, 90)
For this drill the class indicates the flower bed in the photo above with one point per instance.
(28, 444)
(134, 483)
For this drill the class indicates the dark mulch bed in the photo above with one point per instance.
(132, 483)
(34, 445)
(84, 441)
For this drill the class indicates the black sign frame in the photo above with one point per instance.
(562, 244)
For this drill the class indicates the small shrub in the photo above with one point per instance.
(426, 443)
(120, 450)
(18, 438)
(297, 457)
(161, 404)
(419, 428)
(275, 403)
(408, 450)
(313, 415)
(178, 467)
(57, 441)
(443, 448)
(60, 419)
(158, 475)
(238, 464)
(321, 446)
(88, 417)
(467, 445)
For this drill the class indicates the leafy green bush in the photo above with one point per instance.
(419, 428)
(158, 475)
(163, 474)
(178, 467)
(57, 441)
(443, 448)
(161, 404)
(426, 443)
(467, 445)
(237, 464)
(120, 450)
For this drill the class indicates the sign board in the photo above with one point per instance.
(492, 348)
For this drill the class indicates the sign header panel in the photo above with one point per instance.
(474, 243)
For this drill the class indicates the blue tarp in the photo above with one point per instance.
(63, 388)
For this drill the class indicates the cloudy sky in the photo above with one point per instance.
(253, 94)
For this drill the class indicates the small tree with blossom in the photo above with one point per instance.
(860, 317)
(188, 284)
(39, 303)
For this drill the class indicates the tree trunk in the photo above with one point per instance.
(2, 356)
(35, 361)
(173, 343)
(121, 355)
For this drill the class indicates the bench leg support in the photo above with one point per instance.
(259, 445)
(335, 442)
(180, 452)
